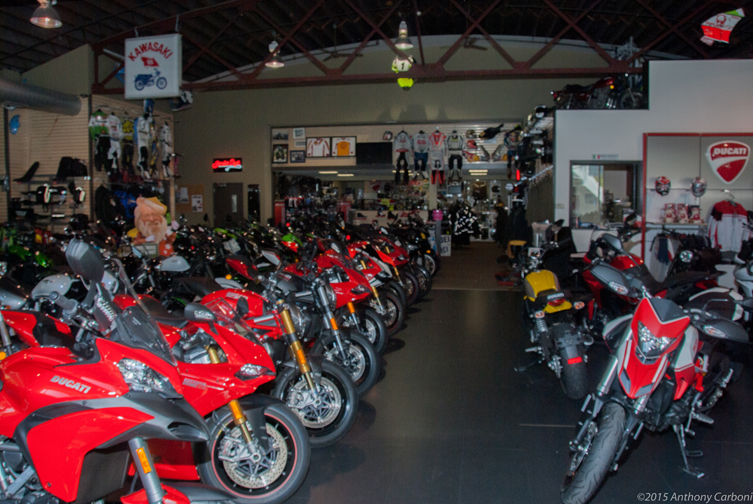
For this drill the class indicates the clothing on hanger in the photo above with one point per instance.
(727, 226)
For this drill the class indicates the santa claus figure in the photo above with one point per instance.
(151, 226)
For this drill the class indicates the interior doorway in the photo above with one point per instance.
(254, 202)
(228, 202)
(604, 192)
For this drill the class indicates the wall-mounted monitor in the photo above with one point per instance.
(226, 165)
(373, 153)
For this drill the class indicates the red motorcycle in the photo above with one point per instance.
(598, 95)
(664, 372)
(258, 450)
(103, 396)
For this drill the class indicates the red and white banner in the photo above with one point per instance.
(718, 28)
(728, 159)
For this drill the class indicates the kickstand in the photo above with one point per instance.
(530, 365)
(687, 453)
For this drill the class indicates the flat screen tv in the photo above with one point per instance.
(369, 153)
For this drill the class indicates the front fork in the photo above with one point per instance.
(296, 349)
(147, 473)
(353, 315)
(331, 323)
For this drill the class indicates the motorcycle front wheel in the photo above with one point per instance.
(424, 281)
(375, 330)
(362, 361)
(394, 318)
(256, 478)
(411, 287)
(589, 465)
(327, 413)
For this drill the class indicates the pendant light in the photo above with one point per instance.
(45, 16)
(275, 61)
(403, 40)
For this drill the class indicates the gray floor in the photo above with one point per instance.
(451, 422)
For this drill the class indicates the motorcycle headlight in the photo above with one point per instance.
(331, 296)
(401, 258)
(649, 345)
(142, 378)
(686, 256)
(3, 268)
(251, 371)
(360, 289)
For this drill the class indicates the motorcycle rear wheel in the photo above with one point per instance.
(589, 474)
(338, 399)
(287, 465)
(574, 379)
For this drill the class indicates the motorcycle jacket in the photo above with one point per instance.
(127, 126)
(420, 143)
(455, 143)
(437, 145)
(727, 226)
(98, 124)
(114, 127)
(402, 142)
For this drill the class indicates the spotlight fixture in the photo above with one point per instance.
(275, 61)
(403, 40)
(45, 16)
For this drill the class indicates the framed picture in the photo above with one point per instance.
(318, 147)
(279, 134)
(297, 156)
(299, 144)
(343, 146)
(299, 133)
(280, 153)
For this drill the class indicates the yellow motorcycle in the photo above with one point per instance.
(549, 318)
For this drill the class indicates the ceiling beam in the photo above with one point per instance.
(474, 24)
(366, 40)
(574, 25)
(674, 28)
(486, 35)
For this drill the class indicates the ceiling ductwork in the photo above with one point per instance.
(38, 98)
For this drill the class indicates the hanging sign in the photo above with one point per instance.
(153, 67)
(728, 159)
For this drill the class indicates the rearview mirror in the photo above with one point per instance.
(611, 278)
(195, 312)
(241, 307)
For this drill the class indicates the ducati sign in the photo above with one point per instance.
(728, 159)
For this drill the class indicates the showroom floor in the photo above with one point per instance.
(452, 422)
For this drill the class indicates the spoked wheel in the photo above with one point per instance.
(327, 413)
(431, 264)
(252, 474)
(593, 458)
(362, 361)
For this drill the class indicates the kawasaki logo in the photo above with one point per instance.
(728, 159)
(71, 384)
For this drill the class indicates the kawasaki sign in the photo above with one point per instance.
(153, 67)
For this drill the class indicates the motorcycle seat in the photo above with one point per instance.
(161, 315)
(200, 286)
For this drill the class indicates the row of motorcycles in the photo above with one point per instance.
(223, 364)
(669, 343)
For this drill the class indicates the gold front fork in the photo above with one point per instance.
(397, 274)
(296, 349)
(239, 418)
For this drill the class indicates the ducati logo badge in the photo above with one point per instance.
(728, 159)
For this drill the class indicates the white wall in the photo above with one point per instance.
(685, 97)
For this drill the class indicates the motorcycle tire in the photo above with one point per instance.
(588, 476)
(431, 263)
(395, 316)
(631, 102)
(373, 327)
(395, 287)
(411, 287)
(337, 393)
(574, 378)
(424, 281)
(275, 483)
(363, 364)
(139, 85)
(161, 83)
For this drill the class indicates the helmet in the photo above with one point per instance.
(698, 187)
(663, 185)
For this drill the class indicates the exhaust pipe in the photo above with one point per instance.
(38, 98)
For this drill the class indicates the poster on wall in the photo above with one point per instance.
(153, 67)
(343, 146)
(182, 195)
(279, 134)
(318, 147)
(297, 156)
(197, 203)
(299, 133)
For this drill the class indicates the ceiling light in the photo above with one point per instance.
(345, 175)
(45, 16)
(275, 61)
(327, 172)
(403, 40)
